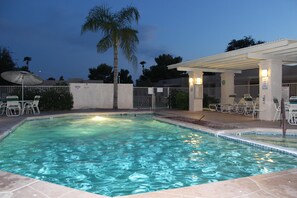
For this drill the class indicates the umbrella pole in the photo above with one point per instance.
(23, 89)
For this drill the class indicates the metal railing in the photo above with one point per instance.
(153, 97)
(17, 90)
(253, 90)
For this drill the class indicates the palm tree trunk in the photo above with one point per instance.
(115, 76)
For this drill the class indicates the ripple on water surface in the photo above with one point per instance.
(116, 155)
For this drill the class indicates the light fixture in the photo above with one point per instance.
(198, 81)
(191, 81)
(264, 73)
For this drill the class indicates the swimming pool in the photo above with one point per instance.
(121, 155)
(290, 141)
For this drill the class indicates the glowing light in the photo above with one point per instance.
(191, 80)
(98, 118)
(199, 81)
(264, 73)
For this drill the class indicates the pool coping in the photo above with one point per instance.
(178, 192)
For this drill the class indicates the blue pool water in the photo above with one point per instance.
(116, 155)
(290, 141)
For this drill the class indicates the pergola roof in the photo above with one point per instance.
(242, 59)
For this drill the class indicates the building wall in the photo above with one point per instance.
(99, 95)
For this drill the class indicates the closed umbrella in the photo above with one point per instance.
(21, 77)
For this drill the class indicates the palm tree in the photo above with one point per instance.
(142, 63)
(117, 33)
(27, 59)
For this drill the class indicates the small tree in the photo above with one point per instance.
(142, 63)
(101, 72)
(6, 64)
(125, 77)
(160, 71)
(27, 59)
(246, 41)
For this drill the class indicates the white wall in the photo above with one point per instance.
(125, 94)
(99, 95)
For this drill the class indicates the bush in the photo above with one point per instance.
(209, 100)
(52, 99)
(179, 100)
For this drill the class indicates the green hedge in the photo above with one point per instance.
(53, 100)
(209, 100)
(50, 100)
(179, 100)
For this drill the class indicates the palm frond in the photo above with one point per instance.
(104, 44)
(99, 19)
(128, 43)
(127, 15)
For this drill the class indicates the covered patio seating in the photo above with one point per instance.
(32, 107)
(13, 107)
(293, 111)
(2, 107)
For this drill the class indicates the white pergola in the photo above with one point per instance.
(268, 57)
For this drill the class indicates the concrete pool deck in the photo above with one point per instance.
(279, 184)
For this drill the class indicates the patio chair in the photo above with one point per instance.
(33, 106)
(292, 120)
(239, 108)
(2, 107)
(256, 108)
(277, 109)
(212, 107)
(13, 107)
(225, 108)
(249, 104)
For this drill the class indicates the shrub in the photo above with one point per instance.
(179, 100)
(209, 100)
(52, 99)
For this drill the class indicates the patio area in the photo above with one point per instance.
(279, 184)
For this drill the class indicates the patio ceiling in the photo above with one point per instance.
(242, 59)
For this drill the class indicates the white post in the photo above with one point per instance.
(270, 77)
(196, 91)
(227, 87)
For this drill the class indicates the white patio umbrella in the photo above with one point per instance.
(21, 77)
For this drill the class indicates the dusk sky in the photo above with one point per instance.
(49, 31)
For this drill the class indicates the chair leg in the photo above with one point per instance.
(37, 110)
(276, 116)
(8, 112)
(3, 110)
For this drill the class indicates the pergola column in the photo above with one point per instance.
(270, 86)
(227, 87)
(195, 90)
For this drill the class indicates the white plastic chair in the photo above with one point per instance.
(277, 109)
(292, 120)
(240, 106)
(249, 105)
(256, 109)
(13, 107)
(33, 106)
(2, 107)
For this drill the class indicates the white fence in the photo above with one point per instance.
(85, 95)
(17, 90)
